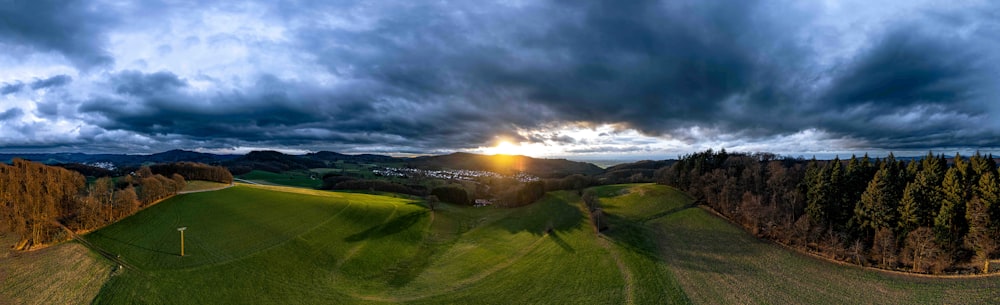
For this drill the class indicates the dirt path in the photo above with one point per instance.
(206, 190)
(246, 181)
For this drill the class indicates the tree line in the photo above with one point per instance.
(931, 215)
(502, 191)
(194, 171)
(37, 199)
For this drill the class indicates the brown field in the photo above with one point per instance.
(66, 273)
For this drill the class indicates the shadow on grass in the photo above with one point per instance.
(700, 247)
(687, 246)
(559, 241)
(633, 236)
(549, 214)
(394, 226)
(129, 244)
(406, 271)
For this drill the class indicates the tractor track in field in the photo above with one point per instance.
(625, 271)
(297, 236)
(104, 253)
(604, 243)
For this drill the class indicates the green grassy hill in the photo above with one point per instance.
(715, 262)
(250, 244)
(281, 245)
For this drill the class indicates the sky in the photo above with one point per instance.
(577, 79)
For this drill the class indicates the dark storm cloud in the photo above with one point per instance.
(11, 88)
(279, 112)
(737, 68)
(656, 66)
(71, 28)
(55, 81)
(136, 83)
(419, 76)
(913, 90)
(905, 69)
(12, 113)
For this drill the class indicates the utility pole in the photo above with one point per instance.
(181, 229)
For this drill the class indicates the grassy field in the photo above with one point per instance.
(268, 244)
(717, 263)
(296, 178)
(283, 245)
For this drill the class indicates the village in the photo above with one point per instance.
(467, 175)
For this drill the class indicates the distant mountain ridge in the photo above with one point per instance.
(276, 161)
(119, 160)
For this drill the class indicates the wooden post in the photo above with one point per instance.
(181, 229)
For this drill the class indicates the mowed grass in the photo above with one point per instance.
(275, 245)
(67, 273)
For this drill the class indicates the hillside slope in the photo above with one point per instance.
(268, 244)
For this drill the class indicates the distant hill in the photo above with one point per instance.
(545, 168)
(640, 171)
(178, 155)
(271, 161)
(119, 160)
(329, 156)
(274, 161)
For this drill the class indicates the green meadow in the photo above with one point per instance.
(297, 178)
(250, 244)
(282, 245)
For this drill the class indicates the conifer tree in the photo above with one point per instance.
(817, 193)
(877, 208)
(950, 223)
(978, 166)
(921, 198)
(840, 206)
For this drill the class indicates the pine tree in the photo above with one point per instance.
(933, 168)
(950, 223)
(978, 166)
(989, 192)
(912, 169)
(920, 199)
(840, 207)
(877, 208)
(817, 193)
(910, 208)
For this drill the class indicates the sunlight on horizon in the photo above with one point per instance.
(506, 147)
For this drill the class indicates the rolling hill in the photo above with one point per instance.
(281, 245)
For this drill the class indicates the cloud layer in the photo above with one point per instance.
(659, 76)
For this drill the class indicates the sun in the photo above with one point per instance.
(513, 148)
(504, 148)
